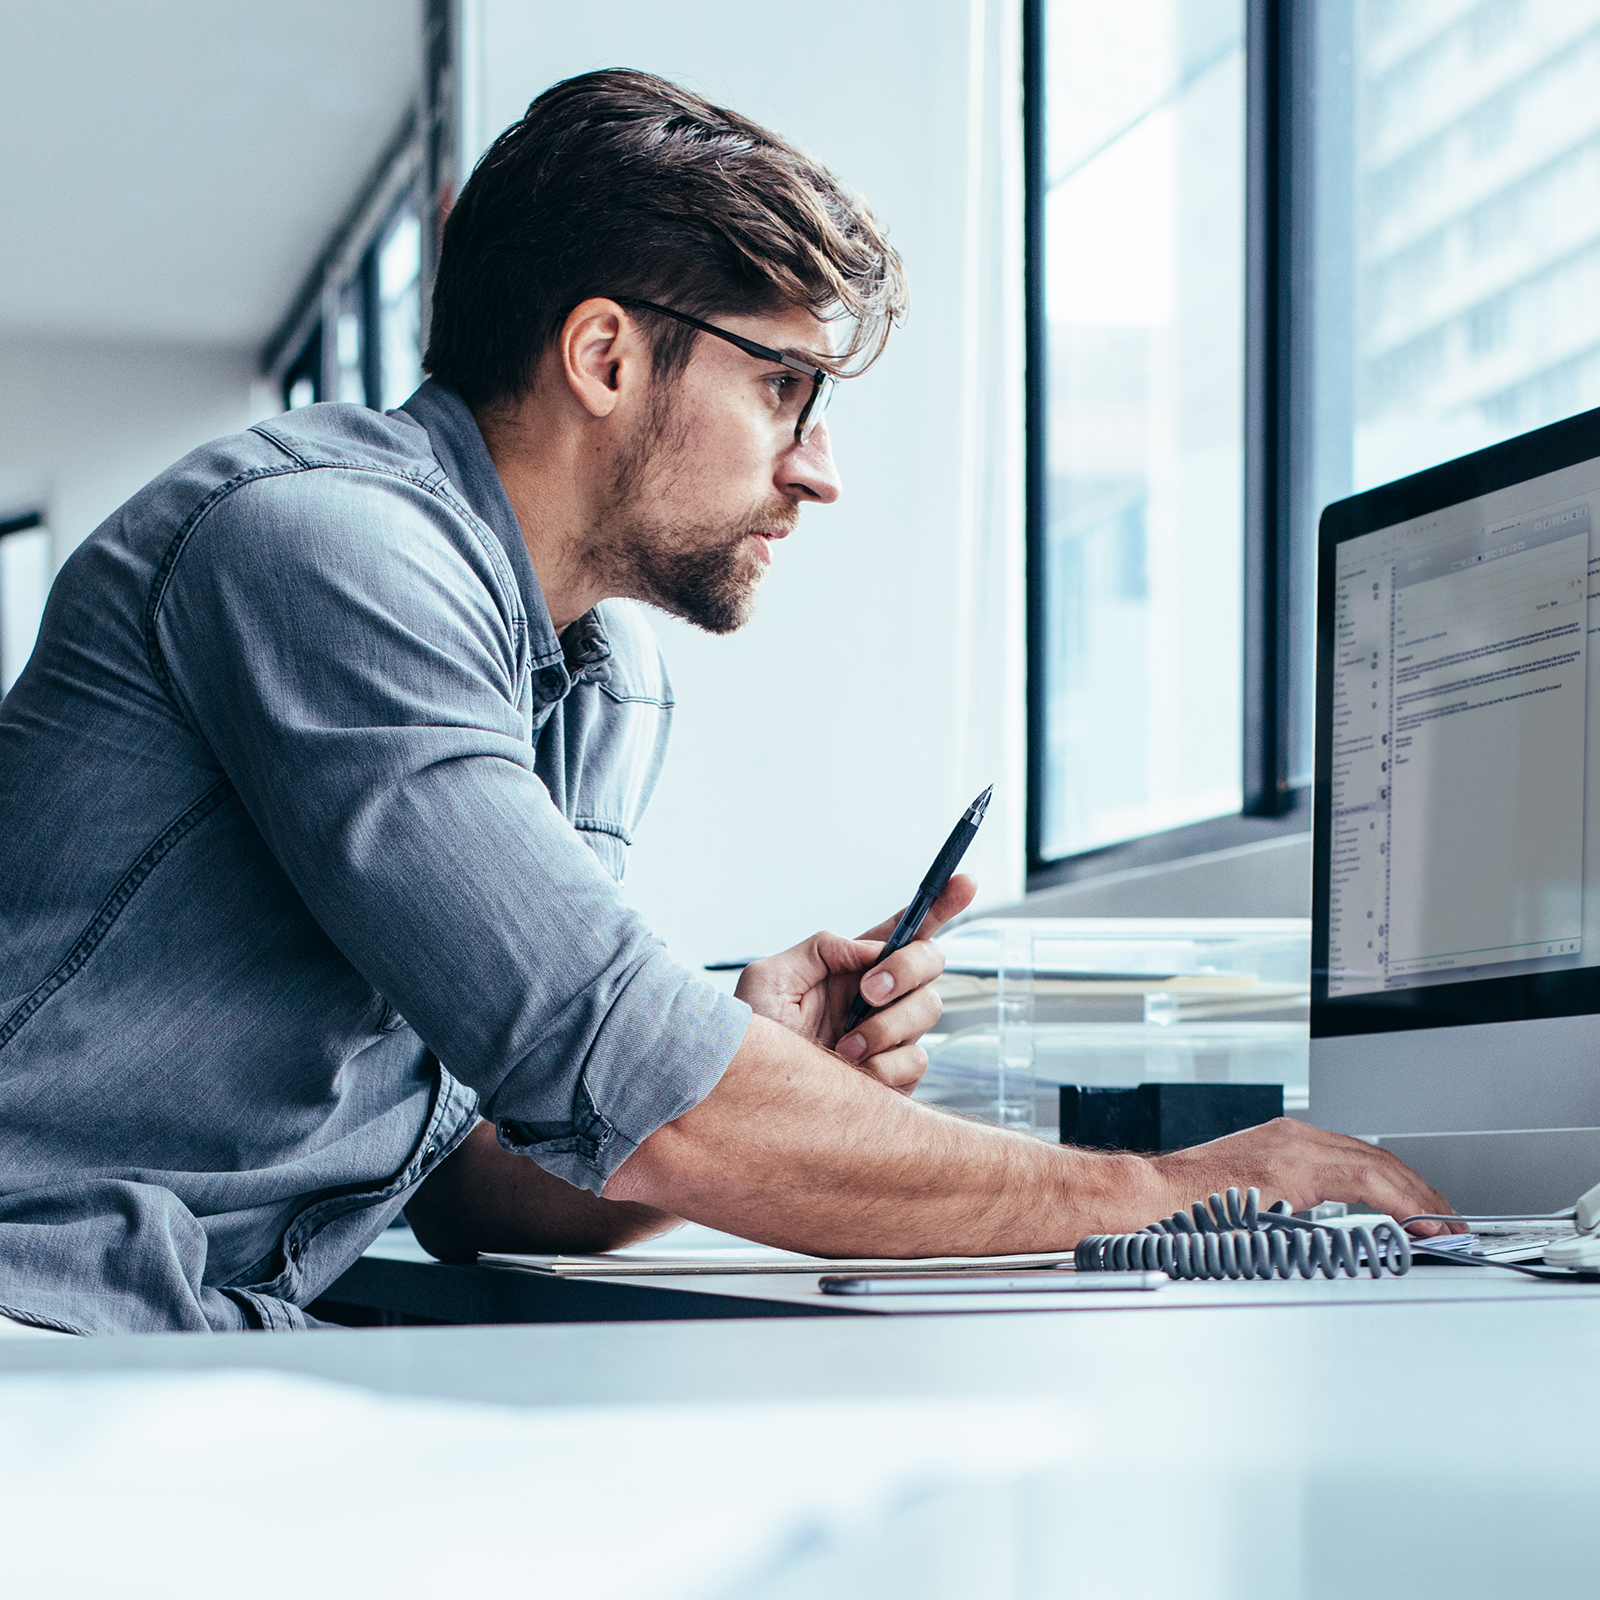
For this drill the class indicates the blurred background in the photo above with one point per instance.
(1182, 272)
(215, 211)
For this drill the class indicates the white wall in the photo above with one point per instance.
(821, 755)
(85, 423)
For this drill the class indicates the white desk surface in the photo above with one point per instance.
(1422, 1285)
(1350, 1438)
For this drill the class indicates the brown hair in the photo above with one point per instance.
(620, 183)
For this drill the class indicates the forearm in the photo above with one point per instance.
(796, 1149)
(486, 1198)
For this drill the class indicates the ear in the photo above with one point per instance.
(604, 355)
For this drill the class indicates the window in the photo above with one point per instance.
(1453, 297)
(24, 584)
(1278, 254)
(398, 267)
(302, 382)
(1463, 142)
(1141, 559)
(355, 330)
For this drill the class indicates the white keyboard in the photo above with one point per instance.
(1502, 1241)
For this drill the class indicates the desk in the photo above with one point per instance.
(398, 1279)
(1280, 1441)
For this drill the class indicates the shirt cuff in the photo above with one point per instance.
(653, 1058)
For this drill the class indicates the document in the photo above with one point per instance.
(695, 1250)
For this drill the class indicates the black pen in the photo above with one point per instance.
(933, 885)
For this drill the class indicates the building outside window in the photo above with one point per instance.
(1476, 171)
(1443, 285)
(1144, 294)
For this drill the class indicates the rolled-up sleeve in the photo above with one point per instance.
(349, 647)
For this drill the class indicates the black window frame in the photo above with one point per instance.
(1279, 523)
(345, 278)
(13, 522)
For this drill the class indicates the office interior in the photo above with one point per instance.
(1182, 273)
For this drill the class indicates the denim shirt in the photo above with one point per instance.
(313, 832)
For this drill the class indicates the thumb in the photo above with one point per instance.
(839, 954)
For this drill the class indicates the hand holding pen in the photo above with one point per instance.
(870, 999)
(928, 891)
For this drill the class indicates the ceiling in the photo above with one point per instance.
(171, 169)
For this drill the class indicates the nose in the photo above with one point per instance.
(808, 471)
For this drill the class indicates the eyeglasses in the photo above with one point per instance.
(822, 383)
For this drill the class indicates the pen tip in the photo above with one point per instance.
(980, 805)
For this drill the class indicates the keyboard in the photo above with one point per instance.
(1502, 1241)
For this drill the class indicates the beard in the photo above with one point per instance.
(704, 572)
(712, 586)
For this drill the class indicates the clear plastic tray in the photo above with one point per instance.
(1032, 1003)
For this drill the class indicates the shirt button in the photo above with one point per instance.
(430, 1152)
(294, 1250)
(551, 680)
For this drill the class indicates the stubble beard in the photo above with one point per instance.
(706, 574)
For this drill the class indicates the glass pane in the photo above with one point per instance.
(303, 379)
(1456, 297)
(1143, 560)
(350, 384)
(24, 585)
(400, 310)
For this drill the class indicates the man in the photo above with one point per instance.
(321, 777)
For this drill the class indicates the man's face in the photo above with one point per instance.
(713, 476)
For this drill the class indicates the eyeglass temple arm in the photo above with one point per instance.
(762, 352)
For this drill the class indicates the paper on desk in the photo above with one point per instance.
(692, 1249)
(1448, 1243)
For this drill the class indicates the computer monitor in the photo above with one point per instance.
(1455, 996)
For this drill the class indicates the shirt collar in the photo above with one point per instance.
(459, 448)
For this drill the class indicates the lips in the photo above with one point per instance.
(763, 538)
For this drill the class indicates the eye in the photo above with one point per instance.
(787, 390)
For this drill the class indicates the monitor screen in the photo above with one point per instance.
(1457, 804)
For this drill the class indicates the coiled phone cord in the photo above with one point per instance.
(1234, 1238)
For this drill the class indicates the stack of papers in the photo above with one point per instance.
(695, 1250)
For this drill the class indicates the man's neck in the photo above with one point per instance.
(540, 469)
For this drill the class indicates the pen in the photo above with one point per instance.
(933, 885)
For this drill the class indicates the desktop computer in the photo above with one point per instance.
(1455, 998)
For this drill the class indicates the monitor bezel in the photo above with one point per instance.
(1525, 996)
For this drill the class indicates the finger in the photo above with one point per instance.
(881, 931)
(905, 971)
(785, 977)
(900, 1069)
(956, 898)
(835, 953)
(1364, 1171)
(1395, 1188)
(903, 1023)
(1381, 1181)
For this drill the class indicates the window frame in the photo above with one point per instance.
(1278, 551)
(304, 344)
(18, 522)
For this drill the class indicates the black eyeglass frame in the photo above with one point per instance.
(822, 383)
